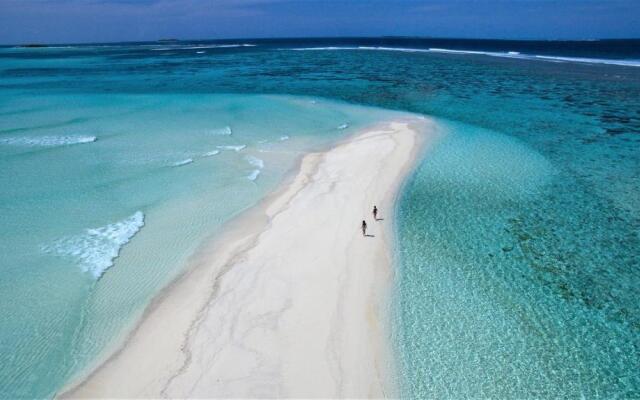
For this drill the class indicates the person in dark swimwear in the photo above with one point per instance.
(375, 213)
(364, 228)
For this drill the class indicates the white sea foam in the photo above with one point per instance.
(182, 162)
(437, 50)
(234, 148)
(199, 52)
(509, 54)
(46, 141)
(210, 46)
(256, 162)
(253, 175)
(321, 48)
(403, 49)
(97, 248)
(283, 138)
(343, 126)
(625, 63)
(226, 131)
(520, 56)
(219, 46)
(411, 50)
(211, 153)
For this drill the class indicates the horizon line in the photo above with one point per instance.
(324, 37)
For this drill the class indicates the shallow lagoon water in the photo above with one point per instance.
(93, 229)
(521, 296)
(517, 235)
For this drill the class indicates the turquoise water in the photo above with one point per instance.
(517, 249)
(522, 295)
(105, 197)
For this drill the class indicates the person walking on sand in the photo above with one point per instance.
(375, 213)
(364, 228)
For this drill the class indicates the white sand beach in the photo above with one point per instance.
(290, 300)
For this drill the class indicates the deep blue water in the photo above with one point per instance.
(518, 247)
(604, 48)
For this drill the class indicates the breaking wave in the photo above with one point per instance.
(96, 249)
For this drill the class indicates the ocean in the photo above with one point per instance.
(517, 234)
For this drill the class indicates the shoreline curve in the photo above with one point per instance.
(289, 300)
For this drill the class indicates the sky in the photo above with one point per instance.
(78, 21)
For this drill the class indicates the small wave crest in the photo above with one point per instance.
(343, 126)
(283, 138)
(211, 153)
(438, 50)
(47, 141)
(520, 56)
(322, 48)
(624, 63)
(182, 162)
(403, 49)
(96, 249)
(219, 46)
(234, 148)
(210, 46)
(382, 48)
